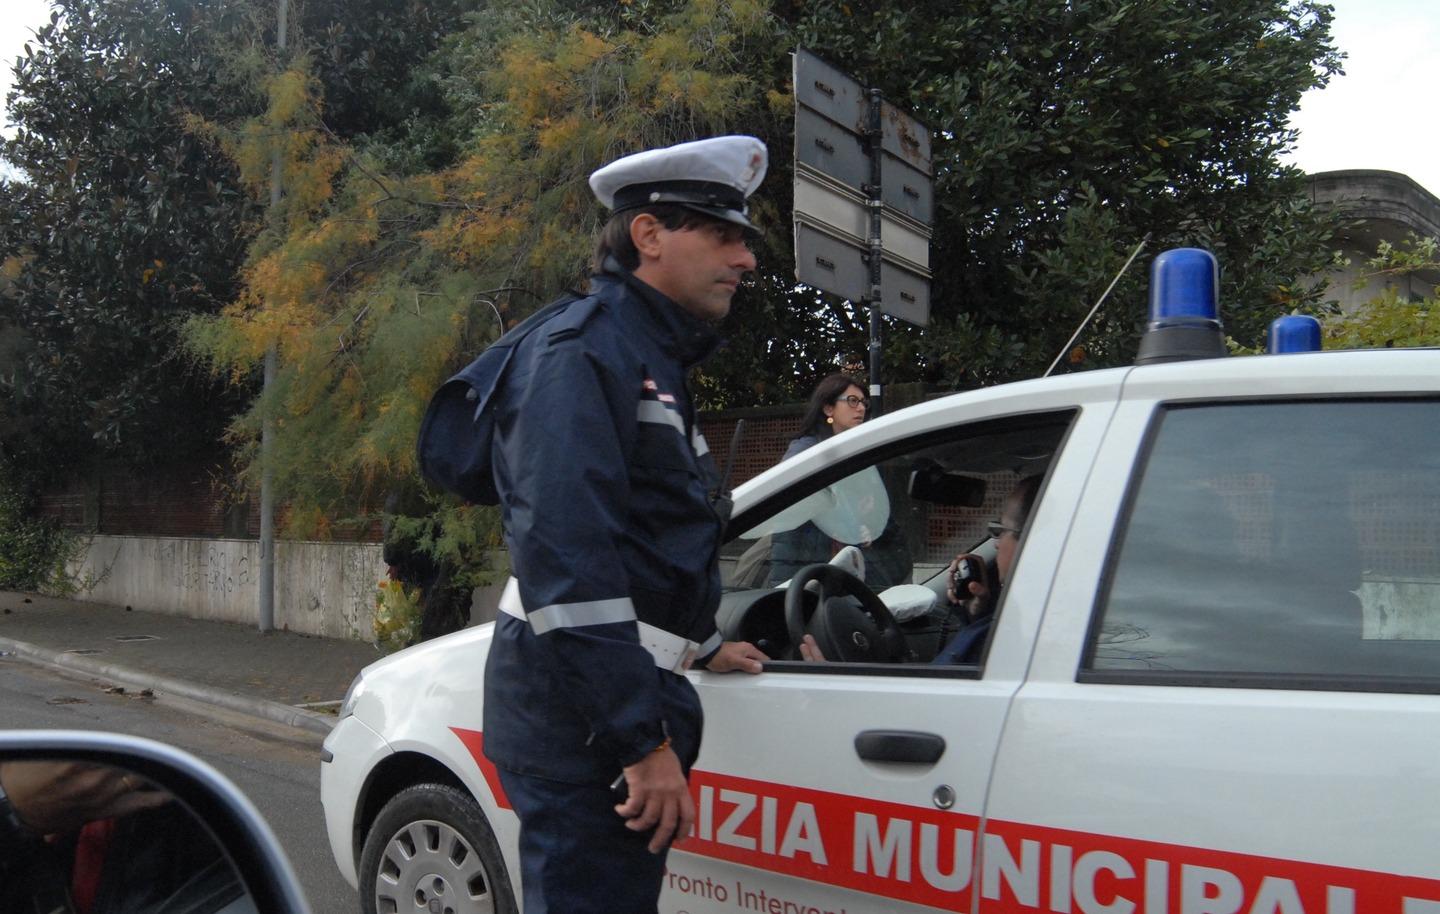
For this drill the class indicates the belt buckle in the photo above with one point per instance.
(687, 657)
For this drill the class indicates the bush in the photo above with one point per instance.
(397, 616)
(35, 552)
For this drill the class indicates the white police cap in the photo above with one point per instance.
(713, 176)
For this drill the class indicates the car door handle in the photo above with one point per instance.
(906, 746)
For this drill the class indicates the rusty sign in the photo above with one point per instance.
(835, 171)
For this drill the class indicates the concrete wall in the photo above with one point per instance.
(320, 588)
(325, 589)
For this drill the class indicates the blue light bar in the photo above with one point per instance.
(1293, 333)
(1184, 308)
(1184, 287)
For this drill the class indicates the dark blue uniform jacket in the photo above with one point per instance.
(605, 486)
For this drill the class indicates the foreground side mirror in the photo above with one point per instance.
(131, 825)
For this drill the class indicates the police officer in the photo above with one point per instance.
(608, 494)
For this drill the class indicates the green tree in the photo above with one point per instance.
(123, 221)
(35, 552)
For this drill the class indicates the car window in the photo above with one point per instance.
(902, 515)
(1284, 544)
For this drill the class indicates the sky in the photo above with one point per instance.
(1380, 114)
(18, 21)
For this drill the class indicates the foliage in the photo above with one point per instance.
(457, 536)
(373, 285)
(1063, 133)
(1389, 318)
(35, 552)
(129, 220)
(397, 616)
(122, 222)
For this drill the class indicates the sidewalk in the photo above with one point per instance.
(281, 676)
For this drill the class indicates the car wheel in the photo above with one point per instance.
(431, 850)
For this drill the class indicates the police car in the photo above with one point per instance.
(1209, 688)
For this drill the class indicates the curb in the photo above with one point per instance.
(255, 707)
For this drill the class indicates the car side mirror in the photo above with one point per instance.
(930, 483)
(123, 824)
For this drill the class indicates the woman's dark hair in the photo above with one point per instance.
(614, 240)
(826, 392)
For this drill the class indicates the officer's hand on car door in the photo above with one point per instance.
(659, 798)
(737, 656)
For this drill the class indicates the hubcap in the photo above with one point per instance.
(428, 868)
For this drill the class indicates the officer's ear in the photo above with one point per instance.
(645, 232)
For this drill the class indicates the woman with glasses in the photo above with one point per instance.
(837, 405)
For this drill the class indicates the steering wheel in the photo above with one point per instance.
(864, 634)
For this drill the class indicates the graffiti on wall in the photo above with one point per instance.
(211, 568)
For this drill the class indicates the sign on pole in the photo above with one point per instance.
(848, 170)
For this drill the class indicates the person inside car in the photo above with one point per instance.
(967, 645)
(838, 404)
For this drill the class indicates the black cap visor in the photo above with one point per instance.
(719, 201)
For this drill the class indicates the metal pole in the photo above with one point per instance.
(875, 135)
(267, 504)
(267, 425)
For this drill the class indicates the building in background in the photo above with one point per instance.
(1386, 206)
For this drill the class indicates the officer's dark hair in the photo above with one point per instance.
(615, 241)
(830, 389)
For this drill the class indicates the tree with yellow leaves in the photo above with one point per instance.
(375, 282)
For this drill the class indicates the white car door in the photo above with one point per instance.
(1232, 705)
(805, 800)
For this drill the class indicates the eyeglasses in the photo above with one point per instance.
(854, 401)
(997, 529)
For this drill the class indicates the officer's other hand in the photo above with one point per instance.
(810, 650)
(737, 655)
(659, 799)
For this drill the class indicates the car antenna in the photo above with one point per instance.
(720, 497)
(1098, 302)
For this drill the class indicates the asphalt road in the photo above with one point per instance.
(277, 767)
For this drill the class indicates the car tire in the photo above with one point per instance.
(431, 849)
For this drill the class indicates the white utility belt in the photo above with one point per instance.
(670, 651)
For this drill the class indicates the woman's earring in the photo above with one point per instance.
(829, 420)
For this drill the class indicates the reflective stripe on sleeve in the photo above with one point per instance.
(660, 414)
(711, 645)
(698, 442)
